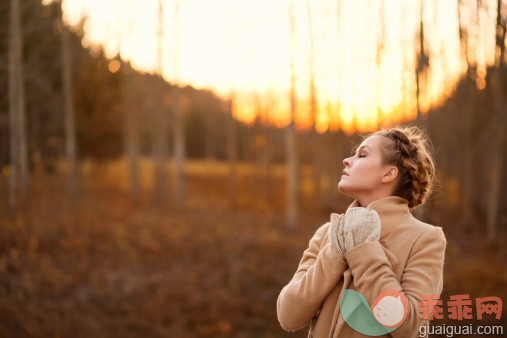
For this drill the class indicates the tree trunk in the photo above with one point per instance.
(18, 170)
(179, 126)
(160, 151)
(422, 65)
(70, 133)
(260, 149)
(499, 130)
(467, 106)
(131, 132)
(268, 181)
(380, 51)
(333, 171)
(160, 148)
(495, 176)
(233, 155)
(179, 150)
(290, 139)
(315, 147)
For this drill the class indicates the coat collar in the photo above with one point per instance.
(392, 210)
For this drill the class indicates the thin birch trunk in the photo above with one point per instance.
(70, 133)
(179, 126)
(160, 148)
(380, 51)
(292, 161)
(422, 64)
(131, 132)
(315, 147)
(498, 132)
(129, 102)
(467, 106)
(233, 154)
(18, 170)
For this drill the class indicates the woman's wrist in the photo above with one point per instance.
(335, 232)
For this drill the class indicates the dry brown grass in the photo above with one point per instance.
(101, 267)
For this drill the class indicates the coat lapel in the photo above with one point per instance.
(391, 210)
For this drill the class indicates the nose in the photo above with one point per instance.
(346, 161)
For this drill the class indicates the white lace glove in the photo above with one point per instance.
(335, 232)
(360, 225)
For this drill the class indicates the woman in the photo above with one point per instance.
(377, 245)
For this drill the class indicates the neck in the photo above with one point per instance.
(364, 201)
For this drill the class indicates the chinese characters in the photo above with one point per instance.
(459, 307)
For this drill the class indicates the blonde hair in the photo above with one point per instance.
(410, 150)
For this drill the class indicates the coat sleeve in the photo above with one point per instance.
(319, 270)
(423, 274)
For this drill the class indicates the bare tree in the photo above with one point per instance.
(232, 140)
(130, 109)
(332, 140)
(209, 136)
(179, 141)
(262, 146)
(421, 65)
(259, 140)
(467, 106)
(68, 104)
(160, 148)
(380, 51)
(331, 162)
(406, 67)
(232, 151)
(131, 130)
(315, 144)
(421, 71)
(18, 145)
(268, 150)
(291, 155)
(498, 130)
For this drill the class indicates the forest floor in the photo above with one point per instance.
(101, 267)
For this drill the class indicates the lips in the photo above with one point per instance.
(344, 173)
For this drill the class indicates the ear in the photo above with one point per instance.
(390, 174)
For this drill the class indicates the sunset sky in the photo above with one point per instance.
(244, 46)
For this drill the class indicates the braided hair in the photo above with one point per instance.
(409, 149)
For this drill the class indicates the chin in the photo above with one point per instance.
(342, 188)
(346, 189)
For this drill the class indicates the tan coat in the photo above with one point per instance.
(409, 257)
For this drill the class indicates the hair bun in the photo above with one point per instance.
(410, 151)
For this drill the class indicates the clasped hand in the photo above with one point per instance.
(357, 226)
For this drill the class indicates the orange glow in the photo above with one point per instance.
(114, 66)
(244, 46)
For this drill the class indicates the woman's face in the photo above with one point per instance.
(364, 173)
